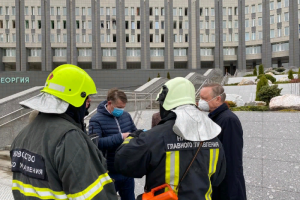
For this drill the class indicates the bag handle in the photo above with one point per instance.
(186, 171)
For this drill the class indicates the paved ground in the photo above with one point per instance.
(271, 155)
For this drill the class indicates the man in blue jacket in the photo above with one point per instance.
(113, 125)
(212, 98)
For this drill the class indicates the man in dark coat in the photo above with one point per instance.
(212, 100)
(113, 125)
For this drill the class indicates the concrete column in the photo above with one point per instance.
(241, 53)
(18, 34)
(71, 33)
(22, 65)
(169, 37)
(266, 46)
(96, 45)
(121, 37)
(47, 56)
(194, 32)
(294, 34)
(145, 35)
(219, 64)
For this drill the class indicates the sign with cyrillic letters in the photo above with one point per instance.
(182, 144)
(28, 163)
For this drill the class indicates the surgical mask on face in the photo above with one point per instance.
(117, 112)
(203, 105)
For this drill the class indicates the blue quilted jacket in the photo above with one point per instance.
(109, 129)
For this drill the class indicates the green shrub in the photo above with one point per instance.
(149, 79)
(269, 77)
(262, 82)
(279, 69)
(231, 104)
(290, 74)
(266, 93)
(158, 75)
(255, 71)
(260, 69)
(288, 110)
(282, 82)
(168, 76)
(232, 84)
(299, 73)
(250, 108)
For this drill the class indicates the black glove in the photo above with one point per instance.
(136, 133)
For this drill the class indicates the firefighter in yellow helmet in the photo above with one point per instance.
(164, 153)
(52, 158)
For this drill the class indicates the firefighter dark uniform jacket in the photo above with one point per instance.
(163, 157)
(53, 159)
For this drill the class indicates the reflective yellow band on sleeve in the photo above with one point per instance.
(213, 161)
(172, 169)
(41, 193)
(94, 189)
(127, 140)
(45, 193)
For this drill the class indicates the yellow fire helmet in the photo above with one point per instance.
(176, 92)
(71, 84)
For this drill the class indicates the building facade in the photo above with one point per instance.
(39, 35)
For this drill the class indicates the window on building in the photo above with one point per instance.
(133, 52)
(7, 10)
(206, 25)
(26, 10)
(126, 25)
(83, 11)
(174, 12)
(201, 38)
(180, 38)
(127, 37)
(186, 37)
(138, 38)
(64, 11)
(236, 24)
(253, 36)
(114, 38)
(279, 32)
(278, 18)
(247, 23)
(247, 36)
(286, 17)
(7, 24)
(286, 3)
(224, 37)
(156, 11)
(58, 38)
(138, 11)
(201, 24)
(246, 10)
(1, 12)
(58, 24)
(107, 24)
(151, 25)
(236, 10)
(33, 38)
(229, 24)
(151, 38)
(259, 21)
(26, 24)
(259, 7)
(236, 37)
(253, 22)
(230, 11)
(39, 10)
(107, 11)
(13, 24)
(206, 11)
(77, 11)
(201, 11)
(162, 25)
(253, 9)
(132, 25)
(65, 24)
(13, 9)
(58, 11)
(180, 52)
(65, 38)
(224, 23)
(175, 37)
(229, 51)
(32, 24)
(186, 12)
(272, 5)
(280, 47)
(156, 38)
(83, 25)
(150, 11)
(138, 25)
(114, 12)
(102, 37)
(260, 35)
(157, 25)
(278, 3)
(162, 10)
(52, 24)
(272, 21)
(212, 38)
(102, 10)
(162, 38)
(114, 24)
(272, 33)
(7, 37)
(26, 37)
(89, 11)
(52, 11)
(77, 24)
(1, 24)
(175, 25)
(90, 24)
(83, 38)
(212, 24)
(287, 31)
(212, 11)
(77, 38)
(224, 11)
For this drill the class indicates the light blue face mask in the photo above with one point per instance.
(117, 112)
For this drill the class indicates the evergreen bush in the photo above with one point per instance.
(266, 93)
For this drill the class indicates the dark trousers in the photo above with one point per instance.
(124, 185)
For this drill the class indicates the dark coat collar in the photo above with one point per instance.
(219, 110)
